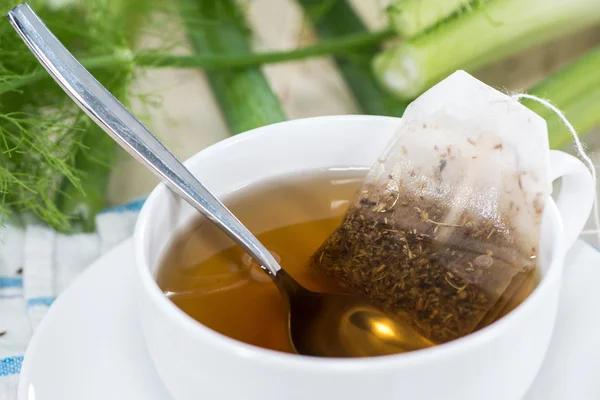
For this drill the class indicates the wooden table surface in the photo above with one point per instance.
(189, 119)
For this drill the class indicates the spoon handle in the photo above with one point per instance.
(114, 118)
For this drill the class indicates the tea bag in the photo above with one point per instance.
(450, 214)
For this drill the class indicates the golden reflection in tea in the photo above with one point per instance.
(217, 284)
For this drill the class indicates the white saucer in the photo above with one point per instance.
(90, 346)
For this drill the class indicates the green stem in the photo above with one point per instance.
(575, 90)
(412, 17)
(340, 45)
(215, 28)
(346, 44)
(336, 20)
(490, 32)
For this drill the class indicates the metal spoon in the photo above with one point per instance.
(320, 324)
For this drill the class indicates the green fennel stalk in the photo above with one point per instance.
(490, 31)
(412, 17)
(244, 95)
(340, 45)
(575, 90)
(334, 19)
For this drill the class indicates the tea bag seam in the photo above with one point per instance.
(579, 146)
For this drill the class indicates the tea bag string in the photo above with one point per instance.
(578, 146)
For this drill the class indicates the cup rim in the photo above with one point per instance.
(267, 356)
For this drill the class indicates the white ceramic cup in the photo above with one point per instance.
(498, 362)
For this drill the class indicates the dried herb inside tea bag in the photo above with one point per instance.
(446, 225)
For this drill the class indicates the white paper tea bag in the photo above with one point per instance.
(450, 213)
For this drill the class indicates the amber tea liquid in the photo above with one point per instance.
(217, 284)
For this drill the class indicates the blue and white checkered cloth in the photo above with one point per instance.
(37, 264)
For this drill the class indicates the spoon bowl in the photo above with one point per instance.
(320, 324)
(341, 325)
